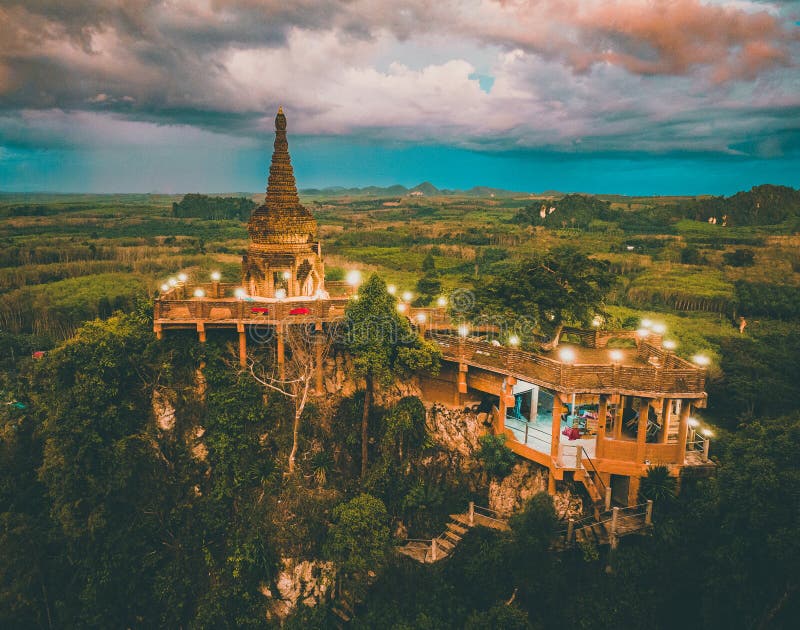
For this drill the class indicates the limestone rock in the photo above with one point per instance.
(305, 582)
(511, 493)
(164, 409)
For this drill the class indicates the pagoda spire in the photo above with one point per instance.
(281, 186)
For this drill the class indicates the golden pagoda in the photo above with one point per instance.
(284, 256)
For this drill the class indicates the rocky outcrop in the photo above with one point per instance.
(526, 479)
(164, 409)
(299, 583)
(456, 430)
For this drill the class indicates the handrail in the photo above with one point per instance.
(597, 476)
(683, 377)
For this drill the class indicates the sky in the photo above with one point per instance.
(605, 96)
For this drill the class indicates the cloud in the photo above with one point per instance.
(565, 75)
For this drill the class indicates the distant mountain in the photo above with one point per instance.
(426, 188)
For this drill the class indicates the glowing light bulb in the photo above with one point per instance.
(287, 275)
(173, 282)
(659, 329)
(616, 355)
(597, 321)
(240, 293)
(280, 294)
(701, 360)
(215, 276)
(693, 422)
(391, 289)
(707, 433)
(182, 277)
(401, 307)
(513, 340)
(165, 287)
(463, 330)
(353, 277)
(407, 296)
(646, 323)
(442, 301)
(198, 293)
(670, 345)
(567, 355)
(422, 318)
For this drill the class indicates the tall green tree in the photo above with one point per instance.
(383, 345)
(550, 289)
(358, 539)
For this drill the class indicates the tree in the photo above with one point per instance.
(497, 458)
(658, 486)
(383, 345)
(358, 539)
(551, 289)
(306, 349)
(429, 264)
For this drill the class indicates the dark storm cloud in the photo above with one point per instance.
(581, 76)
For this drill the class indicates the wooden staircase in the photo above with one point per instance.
(608, 528)
(441, 547)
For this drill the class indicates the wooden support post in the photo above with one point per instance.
(471, 513)
(608, 498)
(570, 530)
(618, 411)
(434, 550)
(555, 431)
(633, 490)
(318, 367)
(201, 331)
(602, 413)
(641, 430)
(613, 533)
(534, 403)
(551, 483)
(666, 418)
(159, 331)
(706, 447)
(578, 457)
(281, 353)
(683, 430)
(648, 513)
(242, 347)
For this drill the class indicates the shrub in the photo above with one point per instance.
(497, 458)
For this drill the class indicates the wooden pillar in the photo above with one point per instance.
(555, 432)
(683, 430)
(159, 331)
(242, 345)
(641, 430)
(318, 368)
(633, 491)
(666, 417)
(281, 353)
(534, 403)
(201, 331)
(602, 411)
(551, 483)
(618, 418)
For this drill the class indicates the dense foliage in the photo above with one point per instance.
(205, 207)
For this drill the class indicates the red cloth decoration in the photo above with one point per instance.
(300, 310)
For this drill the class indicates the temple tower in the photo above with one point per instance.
(284, 257)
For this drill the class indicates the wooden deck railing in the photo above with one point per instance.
(590, 378)
(230, 309)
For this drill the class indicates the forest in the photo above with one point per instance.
(147, 483)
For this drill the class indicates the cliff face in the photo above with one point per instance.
(299, 583)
